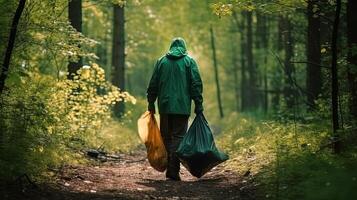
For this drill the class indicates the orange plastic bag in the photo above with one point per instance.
(149, 133)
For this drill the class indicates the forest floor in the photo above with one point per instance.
(131, 177)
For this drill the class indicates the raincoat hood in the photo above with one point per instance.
(177, 49)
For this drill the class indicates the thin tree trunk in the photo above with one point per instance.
(289, 67)
(75, 18)
(10, 45)
(243, 94)
(236, 83)
(334, 74)
(216, 73)
(276, 82)
(238, 97)
(107, 51)
(352, 55)
(252, 71)
(235, 71)
(118, 57)
(262, 33)
(244, 84)
(266, 97)
(313, 70)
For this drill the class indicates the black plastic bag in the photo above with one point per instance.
(197, 151)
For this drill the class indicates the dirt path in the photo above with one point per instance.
(132, 178)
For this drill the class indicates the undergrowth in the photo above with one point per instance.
(47, 122)
(288, 160)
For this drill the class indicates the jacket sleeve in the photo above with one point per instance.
(153, 88)
(196, 87)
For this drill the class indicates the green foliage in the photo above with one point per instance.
(286, 159)
(43, 118)
(264, 6)
(222, 9)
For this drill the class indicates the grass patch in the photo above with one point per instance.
(286, 161)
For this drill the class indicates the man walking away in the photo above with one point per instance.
(175, 82)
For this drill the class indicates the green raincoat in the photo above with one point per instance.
(175, 82)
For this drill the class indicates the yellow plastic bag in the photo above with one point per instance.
(149, 133)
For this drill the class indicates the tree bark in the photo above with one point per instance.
(11, 43)
(216, 73)
(118, 57)
(334, 75)
(313, 70)
(75, 18)
(352, 55)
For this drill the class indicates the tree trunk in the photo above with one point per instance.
(216, 73)
(313, 70)
(75, 18)
(118, 57)
(243, 94)
(288, 66)
(276, 82)
(239, 94)
(262, 34)
(10, 45)
(235, 70)
(244, 84)
(236, 83)
(252, 71)
(334, 75)
(352, 55)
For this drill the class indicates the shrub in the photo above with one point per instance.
(43, 118)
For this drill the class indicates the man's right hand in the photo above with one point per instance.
(198, 110)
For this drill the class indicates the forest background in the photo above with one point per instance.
(279, 84)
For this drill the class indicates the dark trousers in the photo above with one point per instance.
(173, 127)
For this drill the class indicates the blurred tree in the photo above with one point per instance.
(334, 77)
(75, 18)
(240, 25)
(118, 54)
(262, 38)
(243, 45)
(352, 54)
(243, 55)
(277, 78)
(214, 57)
(252, 104)
(11, 43)
(313, 70)
(234, 24)
(288, 42)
